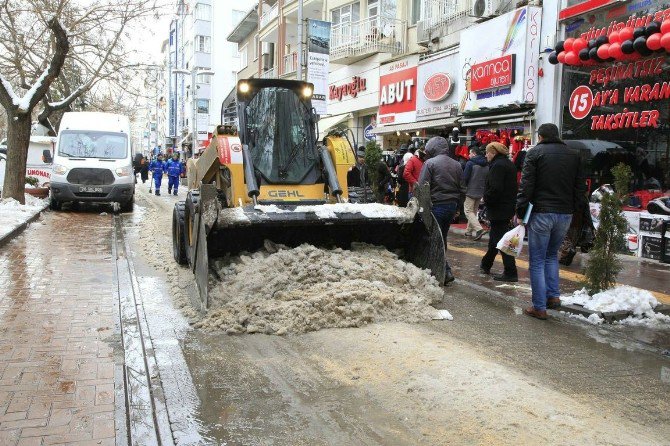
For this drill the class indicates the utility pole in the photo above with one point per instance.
(300, 40)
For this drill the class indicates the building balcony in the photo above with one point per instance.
(351, 42)
(290, 64)
(269, 74)
(269, 15)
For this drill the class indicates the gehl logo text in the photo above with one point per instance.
(285, 194)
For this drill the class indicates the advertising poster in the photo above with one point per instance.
(318, 56)
(503, 69)
(398, 91)
(436, 92)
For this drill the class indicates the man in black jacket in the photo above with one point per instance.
(553, 182)
(499, 196)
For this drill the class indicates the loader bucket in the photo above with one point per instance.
(235, 230)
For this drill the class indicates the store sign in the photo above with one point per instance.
(436, 97)
(397, 91)
(367, 133)
(357, 85)
(495, 73)
(502, 70)
(633, 106)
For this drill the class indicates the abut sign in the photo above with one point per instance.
(397, 91)
(493, 73)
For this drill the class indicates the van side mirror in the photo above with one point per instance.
(46, 156)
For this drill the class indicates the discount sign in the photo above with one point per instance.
(581, 102)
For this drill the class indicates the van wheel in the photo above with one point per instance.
(128, 206)
(54, 204)
(179, 234)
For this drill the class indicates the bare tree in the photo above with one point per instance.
(54, 53)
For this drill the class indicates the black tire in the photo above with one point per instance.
(179, 234)
(129, 205)
(54, 204)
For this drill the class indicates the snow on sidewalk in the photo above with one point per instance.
(14, 214)
(621, 298)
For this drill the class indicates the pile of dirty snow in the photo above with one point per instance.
(281, 290)
(622, 298)
(13, 213)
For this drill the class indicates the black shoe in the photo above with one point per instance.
(479, 234)
(505, 278)
(483, 270)
(175, 193)
(449, 277)
(169, 191)
(158, 193)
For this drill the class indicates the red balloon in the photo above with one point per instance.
(571, 58)
(603, 51)
(614, 37)
(561, 57)
(665, 41)
(654, 41)
(579, 44)
(665, 26)
(626, 34)
(567, 45)
(615, 51)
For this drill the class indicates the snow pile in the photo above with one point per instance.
(369, 210)
(13, 213)
(622, 298)
(280, 290)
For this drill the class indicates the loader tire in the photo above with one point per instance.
(179, 234)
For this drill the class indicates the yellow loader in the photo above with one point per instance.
(272, 180)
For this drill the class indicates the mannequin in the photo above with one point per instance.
(454, 142)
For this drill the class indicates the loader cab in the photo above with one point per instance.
(277, 123)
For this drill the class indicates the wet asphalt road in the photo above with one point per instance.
(491, 376)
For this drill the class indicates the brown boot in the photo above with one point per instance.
(554, 303)
(538, 314)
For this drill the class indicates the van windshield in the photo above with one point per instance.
(90, 144)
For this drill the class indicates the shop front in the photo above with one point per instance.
(352, 97)
(499, 67)
(623, 97)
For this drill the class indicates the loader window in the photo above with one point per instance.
(282, 140)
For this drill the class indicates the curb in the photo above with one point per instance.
(21, 227)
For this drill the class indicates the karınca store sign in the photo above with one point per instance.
(503, 70)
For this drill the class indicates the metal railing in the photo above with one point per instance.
(270, 15)
(367, 36)
(290, 63)
(444, 12)
(269, 74)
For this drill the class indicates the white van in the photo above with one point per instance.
(93, 160)
(38, 163)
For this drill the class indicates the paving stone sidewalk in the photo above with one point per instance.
(57, 325)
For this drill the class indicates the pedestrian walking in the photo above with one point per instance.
(474, 177)
(157, 168)
(552, 180)
(444, 176)
(174, 169)
(500, 197)
(413, 170)
(384, 177)
(144, 169)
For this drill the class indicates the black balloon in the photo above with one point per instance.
(640, 45)
(592, 43)
(559, 46)
(601, 40)
(627, 47)
(638, 32)
(652, 28)
(553, 58)
(584, 54)
(593, 55)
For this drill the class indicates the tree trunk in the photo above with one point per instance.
(18, 139)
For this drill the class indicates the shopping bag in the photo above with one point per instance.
(512, 242)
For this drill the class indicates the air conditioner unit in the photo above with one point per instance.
(422, 33)
(484, 9)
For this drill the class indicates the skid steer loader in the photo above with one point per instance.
(272, 180)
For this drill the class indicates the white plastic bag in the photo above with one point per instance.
(512, 242)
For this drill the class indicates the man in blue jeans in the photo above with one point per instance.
(553, 182)
(444, 176)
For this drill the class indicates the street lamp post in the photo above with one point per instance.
(194, 98)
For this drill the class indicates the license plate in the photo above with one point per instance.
(90, 189)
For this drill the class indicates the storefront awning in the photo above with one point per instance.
(329, 122)
(412, 126)
(505, 118)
